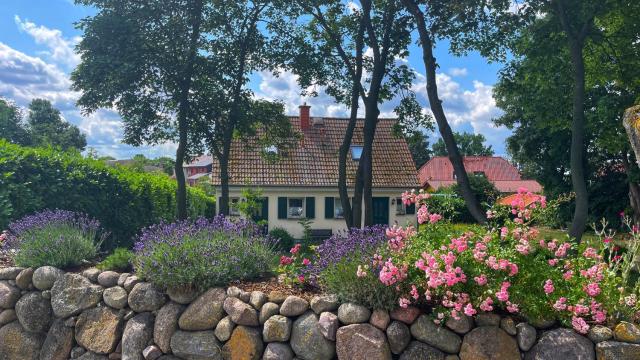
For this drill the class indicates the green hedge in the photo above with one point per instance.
(123, 200)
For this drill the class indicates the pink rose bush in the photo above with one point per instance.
(506, 265)
(291, 268)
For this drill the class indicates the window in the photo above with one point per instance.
(295, 208)
(356, 152)
(338, 211)
(233, 206)
(272, 149)
(400, 209)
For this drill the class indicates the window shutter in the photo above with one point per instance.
(410, 209)
(219, 202)
(282, 207)
(311, 208)
(328, 207)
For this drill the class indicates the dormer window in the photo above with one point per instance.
(272, 149)
(356, 152)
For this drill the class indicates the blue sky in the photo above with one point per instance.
(36, 56)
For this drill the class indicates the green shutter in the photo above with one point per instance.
(282, 207)
(219, 202)
(311, 208)
(265, 209)
(328, 207)
(410, 209)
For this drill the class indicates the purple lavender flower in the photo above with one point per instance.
(343, 244)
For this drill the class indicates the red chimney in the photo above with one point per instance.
(305, 121)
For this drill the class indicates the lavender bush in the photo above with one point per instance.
(335, 267)
(203, 253)
(57, 238)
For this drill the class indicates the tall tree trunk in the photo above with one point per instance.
(183, 110)
(369, 131)
(634, 190)
(347, 207)
(223, 160)
(438, 112)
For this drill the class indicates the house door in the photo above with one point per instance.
(381, 210)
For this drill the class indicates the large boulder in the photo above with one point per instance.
(426, 331)
(277, 328)
(57, 345)
(626, 332)
(307, 340)
(362, 342)
(407, 315)
(350, 313)
(526, 336)
(18, 344)
(257, 299)
(99, 329)
(44, 277)
(195, 345)
(116, 297)
(278, 351)
(421, 351)
(293, 306)
(399, 336)
(146, 297)
(224, 329)
(23, 280)
(166, 324)
(268, 310)
(329, 325)
(34, 312)
(489, 343)
(240, 312)
(7, 316)
(136, 336)
(73, 293)
(322, 303)
(245, 344)
(9, 295)
(614, 350)
(562, 344)
(182, 295)
(10, 273)
(205, 312)
(462, 325)
(108, 278)
(380, 318)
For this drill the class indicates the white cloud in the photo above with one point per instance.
(61, 50)
(455, 71)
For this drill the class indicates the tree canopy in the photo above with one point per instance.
(469, 144)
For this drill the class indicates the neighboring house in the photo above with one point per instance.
(438, 172)
(199, 167)
(303, 180)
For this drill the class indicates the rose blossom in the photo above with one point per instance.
(548, 286)
(580, 325)
(592, 289)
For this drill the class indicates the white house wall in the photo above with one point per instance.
(320, 222)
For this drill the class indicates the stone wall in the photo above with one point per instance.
(49, 314)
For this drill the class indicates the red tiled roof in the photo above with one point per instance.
(313, 161)
(438, 172)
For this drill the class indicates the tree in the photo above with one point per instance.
(139, 57)
(466, 25)
(241, 41)
(535, 92)
(468, 145)
(336, 34)
(11, 124)
(419, 147)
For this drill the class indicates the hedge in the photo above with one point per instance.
(124, 201)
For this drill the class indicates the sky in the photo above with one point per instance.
(37, 39)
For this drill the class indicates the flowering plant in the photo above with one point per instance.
(291, 267)
(57, 238)
(508, 266)
(203, 253)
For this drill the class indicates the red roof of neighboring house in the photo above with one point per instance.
(438, 172)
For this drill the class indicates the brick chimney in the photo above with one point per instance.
(305, 120)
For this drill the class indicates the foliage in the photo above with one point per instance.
(469, 144)
(506, 266)
(141, 163)
(44, 126)
(291, 268)
(120, 260)
(250, 204)
(306, 230)
(203, 253)
(284, 238)
(419, 147)
(124, 201)
(449, 204)
(57, 238)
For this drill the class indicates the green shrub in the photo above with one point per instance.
(203, 254)
(124, 201)
(120, 260)
(284, 238)
(54, 237)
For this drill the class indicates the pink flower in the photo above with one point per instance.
(600, 317)
(434, 218)
(403, 303)
(567, 275)
(481, 280)
(306, 262)
(414, 292)
(503, 294)
(548, 286)
(423, 214)
(592, 289)
(590, 253)
(469, 310)
(606, 240)
(579, 325)
(553, 262)
(561, 304)
(512, 308)
(285, 260)
(301, 278)
(295, 249)
(485, 305)
(504, 232)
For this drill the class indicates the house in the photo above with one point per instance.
(438, 172)
(198, 168)
(303, 181)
